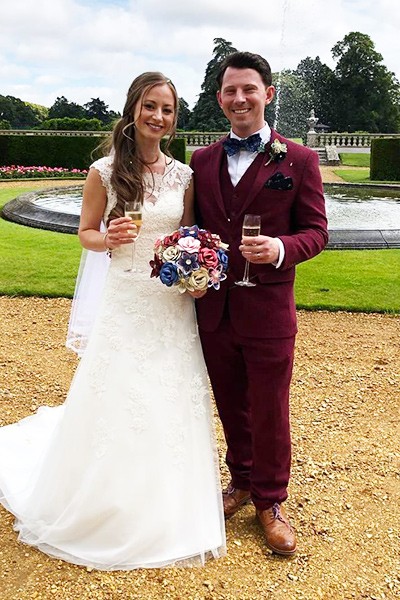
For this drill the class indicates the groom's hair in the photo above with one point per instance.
(246, 60)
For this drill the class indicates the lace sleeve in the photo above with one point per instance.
(104, 167)
(186, 174)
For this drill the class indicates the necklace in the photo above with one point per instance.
(153, 162)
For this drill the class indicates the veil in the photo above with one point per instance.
(89, 287)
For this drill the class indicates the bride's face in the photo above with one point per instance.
(155, 113)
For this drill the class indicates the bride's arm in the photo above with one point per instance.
(188, 206)
(93, 206)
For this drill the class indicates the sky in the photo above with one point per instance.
(84, 49)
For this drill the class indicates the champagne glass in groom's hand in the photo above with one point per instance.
(251, 228)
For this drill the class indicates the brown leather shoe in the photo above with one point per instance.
(279, 535)
(234, 499)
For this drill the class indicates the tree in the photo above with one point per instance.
(368, 94)
(41, 112)
(183, 114)
(18, 114)
(63, 108)
(97, 109)
(207, 115)
(321, 84)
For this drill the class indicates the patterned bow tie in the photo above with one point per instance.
(233, 145)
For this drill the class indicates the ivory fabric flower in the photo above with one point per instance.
(198, 280)
(172, 253)
(277, 151)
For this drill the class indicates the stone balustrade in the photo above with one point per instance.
(200, 138)
(193, 138)
(48, 132)
(204, 138)
(347, 140)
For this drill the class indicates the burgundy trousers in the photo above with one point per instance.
(250, 379)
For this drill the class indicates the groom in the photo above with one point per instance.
(248, 333)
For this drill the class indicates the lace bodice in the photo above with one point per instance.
(162, 208)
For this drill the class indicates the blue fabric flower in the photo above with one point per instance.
(169, 274)
(192, 231)
(223, 259)
(188, 262)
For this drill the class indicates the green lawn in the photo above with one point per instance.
(44, 263)
(354, 175)
(360, 174)
(357, 175)
(356, 280)
(351, 159)
(34, 261)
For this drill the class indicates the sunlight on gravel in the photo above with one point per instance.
(345, 489)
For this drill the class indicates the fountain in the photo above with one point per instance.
(359, 216)
(56, 209)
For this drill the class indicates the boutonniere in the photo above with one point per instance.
(277, 151)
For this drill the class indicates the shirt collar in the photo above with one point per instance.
(265, 134)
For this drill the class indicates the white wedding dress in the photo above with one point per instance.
(125, 474)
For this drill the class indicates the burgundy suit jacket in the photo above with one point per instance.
(297, 216)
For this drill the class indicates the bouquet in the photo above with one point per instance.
(191, 258)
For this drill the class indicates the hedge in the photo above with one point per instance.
(70, 152)
(385, 159)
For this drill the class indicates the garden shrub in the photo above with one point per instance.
(71, 124)
(71, 152)
(385, 159)
(177, 148)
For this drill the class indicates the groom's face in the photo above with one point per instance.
(243, 97)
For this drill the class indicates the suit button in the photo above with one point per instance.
(228, 220)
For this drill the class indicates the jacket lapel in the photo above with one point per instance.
(263, 173)
(214, 168)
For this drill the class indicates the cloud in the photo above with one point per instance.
(94, 48)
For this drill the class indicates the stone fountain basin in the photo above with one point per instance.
(359, 216)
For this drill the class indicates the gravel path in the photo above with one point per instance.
(344, 492)
(329, 176)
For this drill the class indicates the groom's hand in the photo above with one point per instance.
(260, 249)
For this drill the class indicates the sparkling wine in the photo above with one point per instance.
(136, 217)
(251, 228)
(251, 231)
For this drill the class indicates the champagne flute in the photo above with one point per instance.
(251, 228)
(133, 210)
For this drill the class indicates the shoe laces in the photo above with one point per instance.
(276, 513)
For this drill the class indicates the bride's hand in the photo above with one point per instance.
(121, 231)
(197, 294)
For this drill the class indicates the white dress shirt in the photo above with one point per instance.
(238, 165)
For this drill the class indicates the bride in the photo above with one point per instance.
(124, 474)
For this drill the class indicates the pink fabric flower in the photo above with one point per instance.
(189, 244)
(208, 258)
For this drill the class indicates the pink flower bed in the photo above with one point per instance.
(20, 172)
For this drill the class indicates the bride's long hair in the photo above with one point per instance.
(128, 167)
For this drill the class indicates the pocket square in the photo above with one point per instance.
(279, 182)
